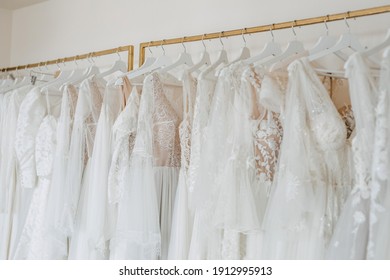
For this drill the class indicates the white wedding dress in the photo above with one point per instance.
(89, 104)
(87, 112)
(37, 125)
(379, 226)
(145, 213)
(124, 134)
(56, 201)
(12, 205)
(96, 211)
(299, 218)
(263, 111)
(182, 217)
(350, 237)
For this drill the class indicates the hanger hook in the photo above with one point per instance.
(346, 22)
(220, 39)
(117, 53)
(326, 25)
(293, 30)
(182, 43)
(75, 60)
(243, 37)
(58, 61)
(204, 45)
(162, 42)
(47, 68)
(272, 33)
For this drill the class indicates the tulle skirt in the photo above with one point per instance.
(350, 238)
(80, 247)
(182, 222)
(232, 212)
(145, 213)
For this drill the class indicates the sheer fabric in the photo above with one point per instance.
(151, 178)
(299, 217)
(351, 236)
(379, 227)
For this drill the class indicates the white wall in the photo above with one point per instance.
(59, 28)
(5, 37)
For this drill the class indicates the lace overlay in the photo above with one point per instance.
(378, 243)
(33, 240)
(346, 113)
(124, 134)
(166, 139)
(30, 115)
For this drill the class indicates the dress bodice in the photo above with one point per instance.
(166, 117)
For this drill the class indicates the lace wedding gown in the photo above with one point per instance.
(56, 200)
(379, 226)
(182, 218)
(147, 202)
(124, 134)
(12, 197)
(35, 147)
(298, 220)
(351, 234)
(96, 212)
(79, 174)
(86, 115)
(264, 112)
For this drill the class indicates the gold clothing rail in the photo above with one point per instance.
(263, 28)
(129, 49)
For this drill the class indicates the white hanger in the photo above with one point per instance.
(222, 59)
(119, 65)
(347, 40)
(75, 75)
(149, 60)
(204, 59)
(59, 80)
(294, 48)
(270, 49)
(147, 63)
(19, 83)
(325, 42)
(184, 58)
(92, 70)
(379, 47)
(160, 62)
(245, 52)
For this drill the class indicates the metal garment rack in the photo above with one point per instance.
(263, 28)
(129, 49)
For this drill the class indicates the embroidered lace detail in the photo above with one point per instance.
(346, 113)
(33, 239)
(124, 133)
(379, 206)
(185, 126)
(166, 140)
(30, 116)
(204, 95)
(268, 138)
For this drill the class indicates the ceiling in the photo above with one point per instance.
(17, 4)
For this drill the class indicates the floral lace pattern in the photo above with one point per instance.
(124, 134)
(346, 113)
(268, 138)
(166, 140)
(30, 116)
(33, 239)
